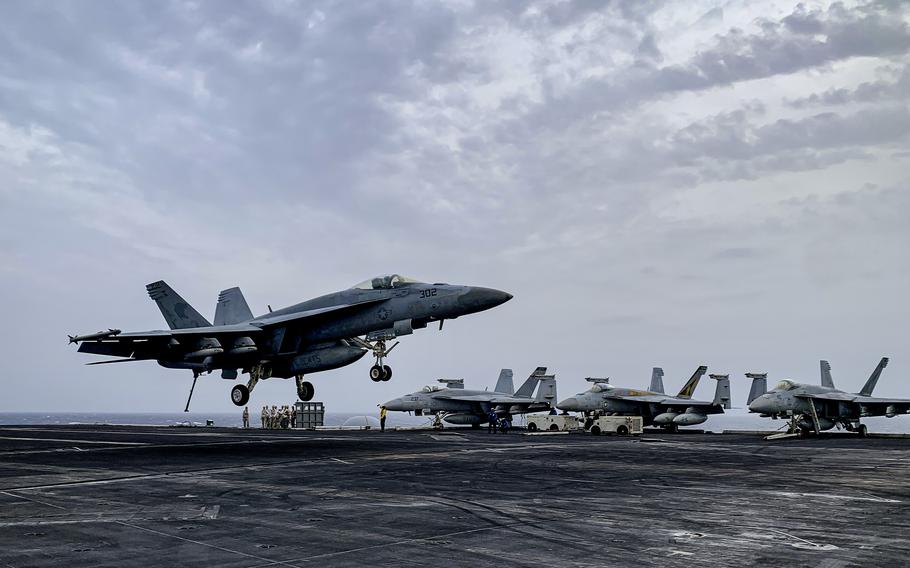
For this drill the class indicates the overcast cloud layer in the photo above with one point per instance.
(657, 184)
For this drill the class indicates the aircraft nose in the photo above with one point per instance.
(476, 299)
(761, 405)
(569, 404)
(396, 404)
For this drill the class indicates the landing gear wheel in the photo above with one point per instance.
(306, 391)
(386, 373)
(375, 373)
(862, 430)
(240, 395)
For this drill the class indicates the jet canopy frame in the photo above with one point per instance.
(385, 282)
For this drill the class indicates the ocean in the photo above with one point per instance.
(735, 419)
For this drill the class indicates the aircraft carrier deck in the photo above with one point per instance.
(145, 496)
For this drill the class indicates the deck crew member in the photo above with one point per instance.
(383, 411)
(246, 416)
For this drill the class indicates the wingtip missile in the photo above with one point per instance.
(93, 336)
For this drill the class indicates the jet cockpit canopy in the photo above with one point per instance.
(600, 387)
(785, 385)
(385, 282)
(431, 388)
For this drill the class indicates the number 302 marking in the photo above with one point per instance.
(428, 292)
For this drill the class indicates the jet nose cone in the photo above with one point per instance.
(395, 404)
(569, 404)
(477, 299)
(761, 405)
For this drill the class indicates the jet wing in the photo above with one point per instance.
(834, 396)
(484, 398)
(901, 405)
(149, 344)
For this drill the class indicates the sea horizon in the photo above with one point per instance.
(735, 419)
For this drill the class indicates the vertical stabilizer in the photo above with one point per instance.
(722, 391)
(827, 381)
(657, 380)
(873, 378)
(176, 311)
(504, 384)
(759, 385)
(527, 388)
(546, 390)
(232, 308)
(689, 387)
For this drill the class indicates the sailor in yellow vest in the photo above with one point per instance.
(383, 411)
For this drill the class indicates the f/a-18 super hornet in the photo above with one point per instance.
(652, 405)
(813, 408)
(459, 405)
(324, 333)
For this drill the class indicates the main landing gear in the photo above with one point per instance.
(240, 394)
(305, 389)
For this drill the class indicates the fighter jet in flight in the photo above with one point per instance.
(324, 333)
(462, 406)
(813, 408)
(652, 405)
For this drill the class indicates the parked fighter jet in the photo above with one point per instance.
(462, 406)
(316, 335)
(812, 408)
(652, 405)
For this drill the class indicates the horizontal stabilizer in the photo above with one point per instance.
(176, 311)
(232, 307)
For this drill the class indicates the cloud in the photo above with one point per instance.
(626, 169)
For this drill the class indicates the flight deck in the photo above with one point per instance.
(151, 496)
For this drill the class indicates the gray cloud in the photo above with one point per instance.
(630, 171)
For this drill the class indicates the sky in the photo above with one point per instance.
(657, 183)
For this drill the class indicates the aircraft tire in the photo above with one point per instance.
(532, 427)
(240, 395)
(622, 431)
(375, 373)
(306, 392)
(595, 430)
(386, 373)
(862, 430)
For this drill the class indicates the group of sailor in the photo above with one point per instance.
(275, 417)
